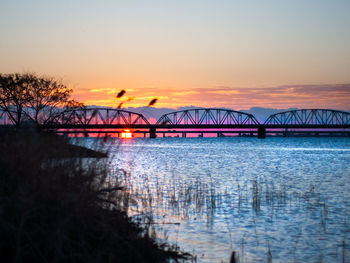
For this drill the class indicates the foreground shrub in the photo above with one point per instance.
(61, 209)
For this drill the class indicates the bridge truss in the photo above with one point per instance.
(310, 117)
(4, 118)
(85, 118)
(308, 122)
(210, 116)
(100, 116)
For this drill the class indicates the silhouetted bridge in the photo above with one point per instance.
(305, 122)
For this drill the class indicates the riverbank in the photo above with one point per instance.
(63, 211)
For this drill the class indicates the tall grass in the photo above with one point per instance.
(66, 209)
(175, 200)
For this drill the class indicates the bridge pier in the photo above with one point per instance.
(261, 133)
(220, 134)
(153, 133)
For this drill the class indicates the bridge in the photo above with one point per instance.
(309, 122)
(101, 117)
(222, 122)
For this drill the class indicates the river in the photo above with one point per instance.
(279, 199)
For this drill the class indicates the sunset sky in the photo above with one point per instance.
(223, 53)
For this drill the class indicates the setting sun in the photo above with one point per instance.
(126, 134)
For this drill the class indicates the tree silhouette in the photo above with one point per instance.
(32, 97)
(14, 95)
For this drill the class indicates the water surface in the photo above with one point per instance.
(283, 198)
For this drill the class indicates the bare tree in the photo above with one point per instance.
(14, 95)
(37, 98)
(47, 98)
(73, 104)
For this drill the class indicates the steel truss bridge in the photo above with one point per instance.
(223, 122)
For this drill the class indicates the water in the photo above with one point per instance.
(280, 198)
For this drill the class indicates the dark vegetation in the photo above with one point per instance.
(56, 205)
(66, 209)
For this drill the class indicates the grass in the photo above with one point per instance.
(58, 207)
(263, 200)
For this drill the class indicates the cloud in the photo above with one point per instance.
(303, 96)
(288, 96)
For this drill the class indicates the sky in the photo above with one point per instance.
(234, 54)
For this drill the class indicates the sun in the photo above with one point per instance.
(126, 134)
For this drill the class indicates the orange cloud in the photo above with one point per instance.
(299, 96)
